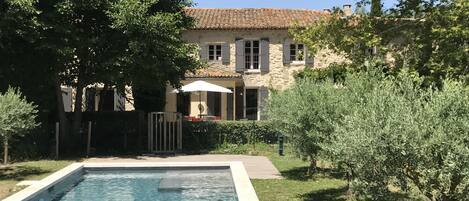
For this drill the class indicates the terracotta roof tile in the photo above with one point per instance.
(213, 73)
(252, 18)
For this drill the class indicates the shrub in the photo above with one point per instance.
(121, 132)
(200, 136)
(306, 114)
(17, 116)
(404, 136)
(335, 72)
(384, 131)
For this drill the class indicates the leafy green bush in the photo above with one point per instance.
(305, 114)
(336, 72)
(17, 116)
(403, 136)
(384, 131)
(200, 136)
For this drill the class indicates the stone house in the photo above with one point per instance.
(249, 51)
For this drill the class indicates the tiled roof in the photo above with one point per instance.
(252, 18)
(213, 73)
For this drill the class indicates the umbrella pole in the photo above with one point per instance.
(200, 104)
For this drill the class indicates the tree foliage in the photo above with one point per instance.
(17, 117)
(400, 135)
(22, 55)
(79, 43)
(383, 131)
(429, 38)
(304, 114)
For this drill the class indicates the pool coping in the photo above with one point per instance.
(244, 189)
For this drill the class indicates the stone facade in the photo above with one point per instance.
(280, 76)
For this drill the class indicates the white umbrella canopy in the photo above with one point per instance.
(200, 85)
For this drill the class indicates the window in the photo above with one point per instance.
(214, 104)
(251, 52)
(297, 52)
(371, 51)
(251, 104)
(214, 52)
(183, 103)
(67, 98)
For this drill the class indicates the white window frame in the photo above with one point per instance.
(216, 58)
(295, 57)
(258, 102)
(251, 61)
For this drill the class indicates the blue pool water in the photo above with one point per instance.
(146, 184)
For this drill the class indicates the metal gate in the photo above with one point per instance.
(164, 132)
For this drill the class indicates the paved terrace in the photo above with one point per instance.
(257, 167)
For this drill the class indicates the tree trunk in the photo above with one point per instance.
(5, 151)
(349, 182)
(77, 114)
(312, 166)
(63, 121)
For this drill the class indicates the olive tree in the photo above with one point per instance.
(17, 117)
(397, 134)
(305, 113)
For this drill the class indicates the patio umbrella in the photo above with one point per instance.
(202, 86)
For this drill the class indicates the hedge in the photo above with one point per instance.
(202, 136)
(112, 133)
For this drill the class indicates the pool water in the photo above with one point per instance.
(147, 184)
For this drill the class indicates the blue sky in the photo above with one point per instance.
(304, 4)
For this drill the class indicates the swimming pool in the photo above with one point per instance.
(227, 181)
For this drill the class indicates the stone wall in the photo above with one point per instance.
(280, 75)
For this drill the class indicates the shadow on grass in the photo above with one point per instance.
(300, 173)
(19, 173)
(335, 194)
(340, 194)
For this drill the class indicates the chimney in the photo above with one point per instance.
(327, 10)
(347, 9)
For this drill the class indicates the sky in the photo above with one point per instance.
(302, 4)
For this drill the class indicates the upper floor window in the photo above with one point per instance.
(251, 53)
(371, 51)
(214, 52)
(297, 52)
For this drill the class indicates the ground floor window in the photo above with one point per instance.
(252, 104)
(106, 100)
(183, 103)
(214, 104)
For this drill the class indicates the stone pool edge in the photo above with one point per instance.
(244, 189)
(33, 190)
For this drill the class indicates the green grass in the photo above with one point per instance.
(296, 185)
(32, 170)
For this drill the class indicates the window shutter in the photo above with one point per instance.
(265, 55)
(263, 97)
(286, 52)
(203, 52)
(309, 58)
(240, 55)
(67, 98)
(225, 53)
(119, 101)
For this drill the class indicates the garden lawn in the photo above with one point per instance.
(327, 184)
(32, 170)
